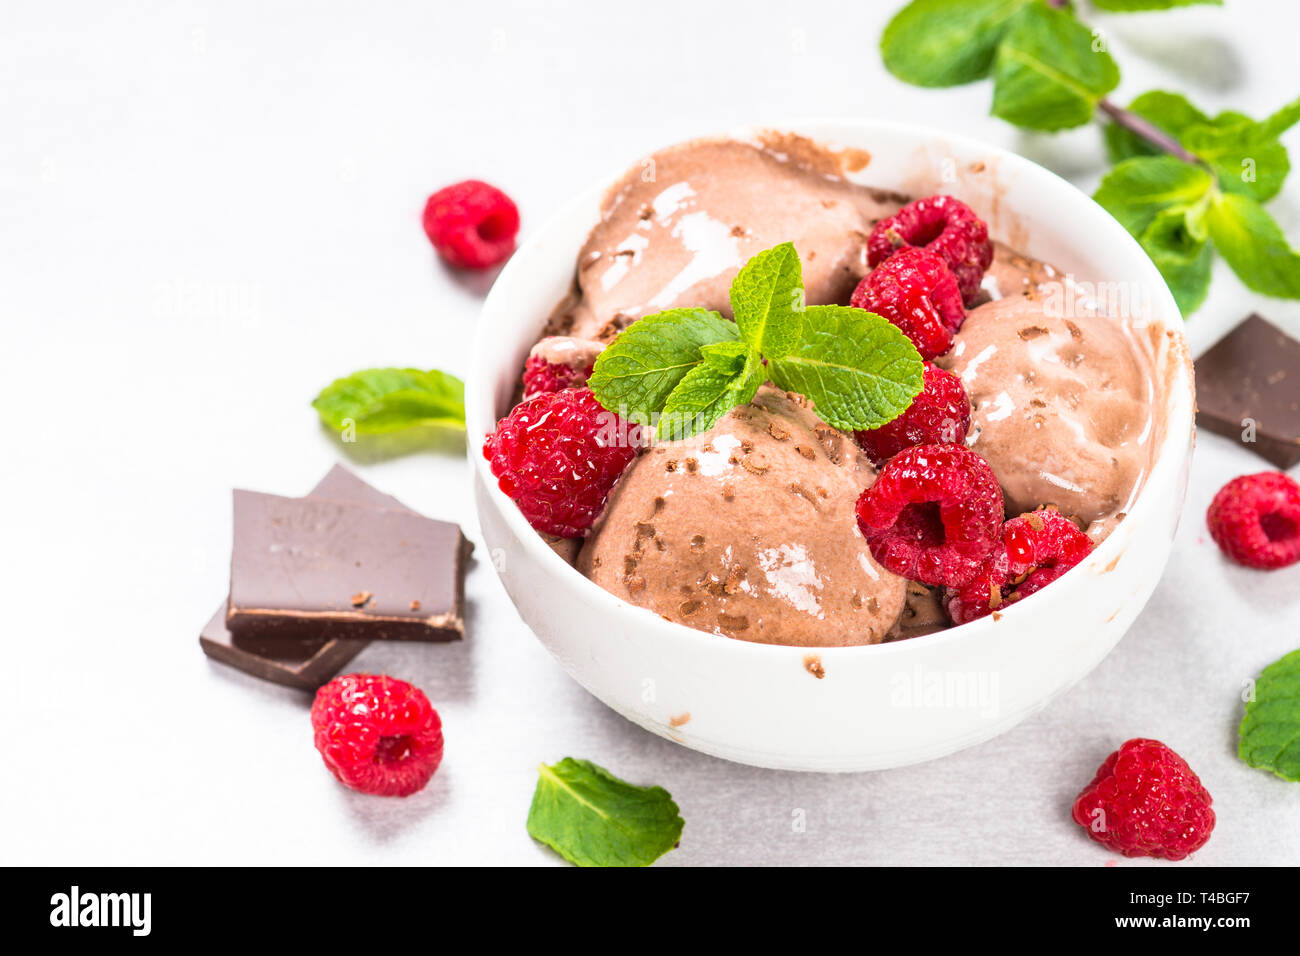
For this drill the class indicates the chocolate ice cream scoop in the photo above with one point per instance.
(1061, 404)
(680, 224)
(748, 531)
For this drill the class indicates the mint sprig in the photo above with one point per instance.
(682, 370)
(1269, 737)
(592, 818)
(1051, 71)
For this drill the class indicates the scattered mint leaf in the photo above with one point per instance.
(1253, 244)
(726, 378)
(641, 367)
(1138, 189)
(945, 42)
(592, 818)
(767, 300)
(859, 370)
(1182, 257)
(1135, 6)
(1269, 737)
(1050, 72)
(378, 400)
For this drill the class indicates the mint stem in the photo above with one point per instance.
(1146, 131)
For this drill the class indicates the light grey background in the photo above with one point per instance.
(207, 211)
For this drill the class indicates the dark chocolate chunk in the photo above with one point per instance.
(305, 663)
(312, 568)
(1248, 389)
(296, 662)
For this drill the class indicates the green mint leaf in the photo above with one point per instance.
(1050, 71)
(945, 42)
(1269, 737)
(767, 300)
(635, 374)
(1138, 189)
(1253, 244)
(858, 369)
(1244, 158)
(378, 400)
(1244, 155)
(730, 375)
(592, 818)
(1182, 256)
(1135, 6)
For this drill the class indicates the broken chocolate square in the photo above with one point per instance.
(1248, 389)
(305, 663)
(298, 661)
(307, 568)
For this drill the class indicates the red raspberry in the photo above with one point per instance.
(939, 415)
(1146, 801)
(1035, 550)
(377, 734)
(1255, 519)
(543, 376)
(933, 514)
(471, 224)
(915, 291)
(946, 227)
(557, 455)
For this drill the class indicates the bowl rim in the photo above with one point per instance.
(481, 416)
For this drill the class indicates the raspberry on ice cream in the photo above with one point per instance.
(558, 362)
(914, 290)
(557, 455)
(1255, 520)
(933, 515)
(939, 415)
(471, 224)
(377, 734)
(1146, 801)
(1035, 549)
(946, 227)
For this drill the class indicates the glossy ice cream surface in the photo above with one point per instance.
(748, 531)
(679, 225)
(1061, 404)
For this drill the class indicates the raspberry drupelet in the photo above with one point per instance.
(1146, 801)
(1035, 549)
(1255, 519)
(915, 291)
(946, 227)
(377, 734)
(472, 225)
(939, 415)
(557, 455)
(933, 515)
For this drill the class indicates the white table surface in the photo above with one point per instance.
(210, 210)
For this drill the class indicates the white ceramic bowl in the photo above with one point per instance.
(876, 706)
